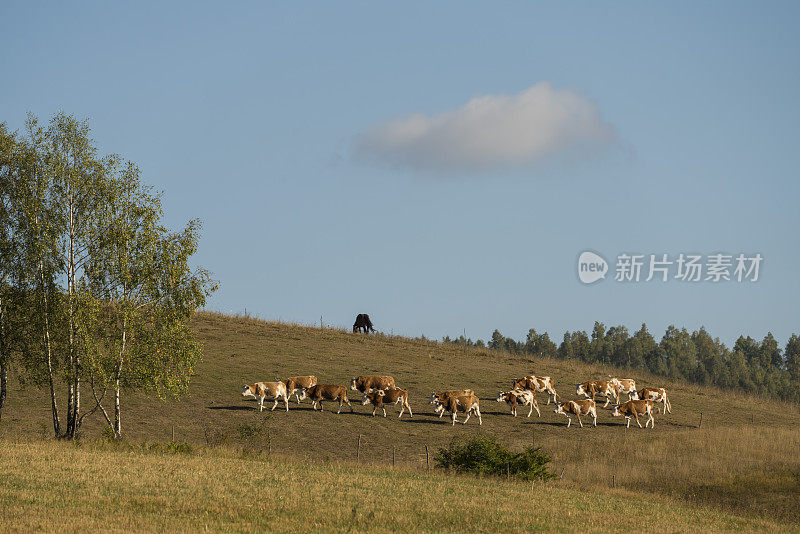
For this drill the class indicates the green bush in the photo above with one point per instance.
(484, 455)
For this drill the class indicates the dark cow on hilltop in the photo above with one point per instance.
(363, 324)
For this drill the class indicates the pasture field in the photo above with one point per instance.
(130, 488)
(741, 469)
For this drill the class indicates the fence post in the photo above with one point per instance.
(320, 322)
(358, 448)
(561, 476)
(613, 481)
(701, 421)
(427, 458)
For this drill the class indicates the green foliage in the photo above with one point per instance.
(751, 366)
(107, 291)
(484, 455)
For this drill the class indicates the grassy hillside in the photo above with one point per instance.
(130, 489)
(743, 460)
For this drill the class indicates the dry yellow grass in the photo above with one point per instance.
(743, 460)
(61, 487)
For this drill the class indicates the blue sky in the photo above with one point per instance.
(277, 125)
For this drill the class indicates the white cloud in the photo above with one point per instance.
(489, 132)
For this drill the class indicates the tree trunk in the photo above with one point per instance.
(3, 382)
(117, 374)
(117, 421)
(74, 395)
(3, 360)
(49, 356)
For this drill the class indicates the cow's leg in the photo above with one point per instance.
(261, 404)
(628, 419)
(384, 410)
(467, 419)
(650, 420)
(608, 399)
(275, 403)
(286, 400)
(374, 407)
(410, 413)
(536, 405)
(636, 416)
(454, 416)
(594, 419)
(478, 412)
(668, 404)
(579, 420)
(569, 421)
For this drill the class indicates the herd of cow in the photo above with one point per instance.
(381, 390)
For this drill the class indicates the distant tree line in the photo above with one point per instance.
(95, 293)
(750, 366)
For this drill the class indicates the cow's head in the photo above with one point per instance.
(303, 393)
(501, 396)
(438, 406)
(580, 390)
(560, 409)
(635, 395)
(248, 391)
(353, 383)
(615, 411)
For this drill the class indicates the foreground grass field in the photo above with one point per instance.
(56, 486)
(743, 460)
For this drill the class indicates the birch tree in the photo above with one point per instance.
(109, 291)
(145, 290)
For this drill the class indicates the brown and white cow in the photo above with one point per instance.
(263, 390)
(633, 409)
(525, 397)
(295, 383)
(579, 407)
(625, 385)
(598, 387)
(379, 397)
(537, 383)
(320, 392)
(366, 383)
(468, 403)
(438, 407)
(655, 395)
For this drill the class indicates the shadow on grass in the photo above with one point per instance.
(436, 421)
(232, 408)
